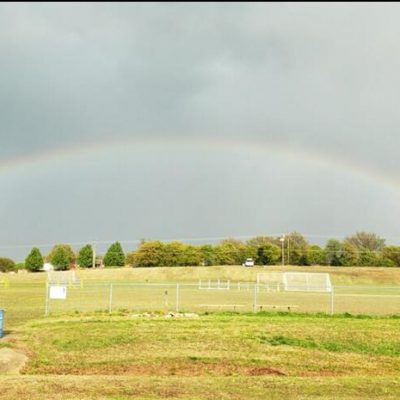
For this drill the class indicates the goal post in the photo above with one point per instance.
(224, 285)
(270, 281)
(64, 278)
(318, 283)
(307, 282)
(294, 281)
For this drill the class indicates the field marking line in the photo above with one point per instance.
(366, 295)
(222, 305)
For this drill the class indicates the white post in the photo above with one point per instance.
(255, 298)
(110, 299)
(332, 301)
(46, 307)
(209, 284)
(229, 285)
(177, 297)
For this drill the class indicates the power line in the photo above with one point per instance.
(191, 239)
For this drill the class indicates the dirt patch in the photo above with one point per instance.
(11, 361)
(177, 368)
(320, 373)
(168, 315)
(259, 371)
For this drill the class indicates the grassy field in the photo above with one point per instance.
(216, 356)
(357, 291)
(82, 352)
(339, 275)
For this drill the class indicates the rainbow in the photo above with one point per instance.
(262, 147)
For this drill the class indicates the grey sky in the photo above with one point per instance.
(318, 77)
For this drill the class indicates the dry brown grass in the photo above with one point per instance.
(200, 388)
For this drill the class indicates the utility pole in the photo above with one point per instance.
(282, 240)
(94, 254)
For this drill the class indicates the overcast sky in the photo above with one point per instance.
(202, 116)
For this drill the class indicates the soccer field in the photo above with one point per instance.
(111, 338)
(371, 291)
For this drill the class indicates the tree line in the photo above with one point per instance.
(361, 248)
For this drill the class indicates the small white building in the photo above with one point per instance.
(48, 267)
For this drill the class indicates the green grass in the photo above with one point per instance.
(215, 356)
(214, 344)
(368, 291)
(304, 354)
(354, 346)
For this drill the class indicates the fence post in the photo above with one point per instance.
(46, 306)
(255, 298)
(166, 301)
(332, 301)
(177, 297)
(110, 299)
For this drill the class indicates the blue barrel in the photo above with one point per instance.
(1, 322)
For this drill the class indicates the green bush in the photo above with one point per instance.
(6, 264)
(34, 261)
(19, 266)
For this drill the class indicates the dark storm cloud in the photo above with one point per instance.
(320, 77)
(317, 75)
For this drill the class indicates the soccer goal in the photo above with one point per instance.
(214, 284)
(63, 278)
(306, 282)
(270, 281)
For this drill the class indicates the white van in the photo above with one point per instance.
(249, 262)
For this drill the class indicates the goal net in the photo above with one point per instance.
(270, 281)
(214, 284)
(306, 282)
(62, 278)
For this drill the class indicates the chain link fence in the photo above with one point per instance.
(223, 296)
(28, 301)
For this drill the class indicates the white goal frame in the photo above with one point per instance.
(307, 282)
(294, 282)
(270, 281)
(216, 285)
(68, 277)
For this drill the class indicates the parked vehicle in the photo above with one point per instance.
(249, 262)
